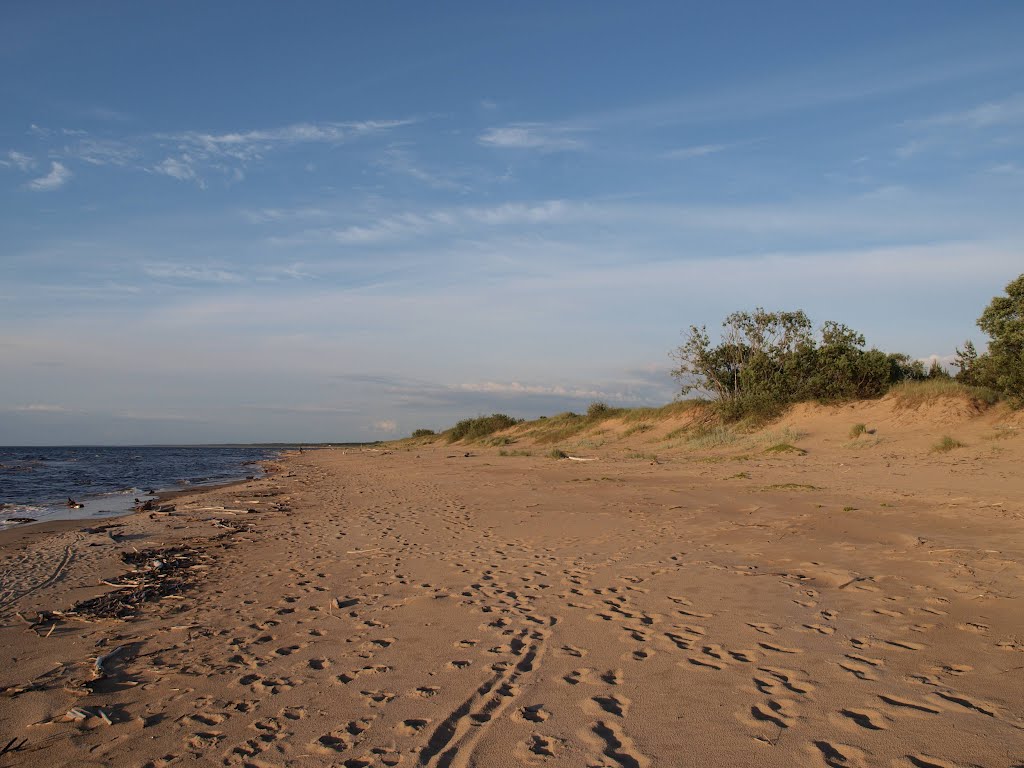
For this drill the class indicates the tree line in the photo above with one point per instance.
(766, 361)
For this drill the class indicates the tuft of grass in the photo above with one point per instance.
(480, 427)
(503, 452)
(785, 448)
(739, 476)
(1001, 433)
(643, 426)
(557, 453)
(849, 509)
(712, 436)
(857, 430)
(914, 394)
(946, 444)
(424, 433)
(792, 487)
(599, 411)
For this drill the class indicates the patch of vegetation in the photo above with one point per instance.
(503, 452)
(501, 440)
(1001, 433)
(792, 487)
(857, 430)
(558, 454)
(598, 411)
(785, 448)
(766, 361)
(557, 429)
(643, 426)
(946, 444)
(849, 509)
(480, 427)
(424, 433)
(1002, 367)
(914, 394)
(739, 476)
(712, 436)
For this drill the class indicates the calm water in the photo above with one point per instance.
(36, 482)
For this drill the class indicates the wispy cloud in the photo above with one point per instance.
(181, 168)
(19, 160)
(247, 145)
(1008, 111)
(58, 176)
(401, 161)
(412, 224)
(194, 155)
(190, 273)
(103, 152)
(546, 137)
(40, 408)
(701, 150)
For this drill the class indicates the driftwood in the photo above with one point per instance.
(159, 573)
(14, 745)
(97, 671)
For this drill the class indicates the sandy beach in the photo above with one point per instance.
(446, 605)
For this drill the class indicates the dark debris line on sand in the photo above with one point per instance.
(158, 573)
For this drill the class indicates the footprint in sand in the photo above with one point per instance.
(534, 713)
(839, 755)
(412, 726)
(860, 671)
(611, 704)
(865, 718)
(612, 677)
(780, 648)
(778, 712)
(908, 704)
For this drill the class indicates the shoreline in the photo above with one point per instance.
(158, 495)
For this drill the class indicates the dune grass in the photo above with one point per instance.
(946, 444)
(785, 448)
(914, 394)
(857, 430)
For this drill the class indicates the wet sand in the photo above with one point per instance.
(427, 608)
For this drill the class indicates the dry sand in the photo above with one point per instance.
(425, 607)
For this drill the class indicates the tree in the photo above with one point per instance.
(767, 360)
(1003, 322)
(967, 361)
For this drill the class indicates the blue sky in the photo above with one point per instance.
(328, 221)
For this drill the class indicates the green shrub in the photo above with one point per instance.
(598, 411)
(423, 433)
(558, 454)
(482, 426)
(857, 430)
(769, 360)
(785, 448)
(946, 444)
(1002, 367)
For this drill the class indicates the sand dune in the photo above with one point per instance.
(851, 606)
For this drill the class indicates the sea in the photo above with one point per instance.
(36, 483)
